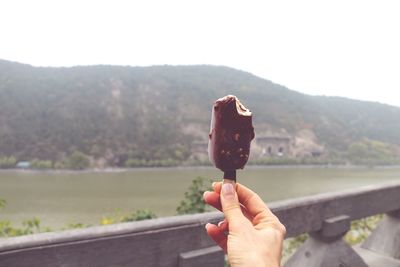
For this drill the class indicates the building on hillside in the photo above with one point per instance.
(274, 145)
(23, 165)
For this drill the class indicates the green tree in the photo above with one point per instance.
(60, 165)
(78, 161)
(41, 164)
(369, 151)
(7, 162)
(193, 199)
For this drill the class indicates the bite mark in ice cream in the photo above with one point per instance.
(230, 135)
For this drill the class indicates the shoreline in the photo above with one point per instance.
(123, 170)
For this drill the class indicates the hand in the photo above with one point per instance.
(255, 235)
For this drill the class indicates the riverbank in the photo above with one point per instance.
(195, 167)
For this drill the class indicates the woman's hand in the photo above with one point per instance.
(251, 234)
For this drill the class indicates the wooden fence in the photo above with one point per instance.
(182, 241)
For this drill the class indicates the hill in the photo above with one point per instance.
(115, 113)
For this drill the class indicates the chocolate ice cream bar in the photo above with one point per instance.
(230, 135)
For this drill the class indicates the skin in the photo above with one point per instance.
(250, 234)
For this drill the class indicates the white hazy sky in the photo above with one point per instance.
(344, 48)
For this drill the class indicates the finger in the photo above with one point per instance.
(255, 206)
(231, 207)
(223, 225)
(214, 199)
(217, 235)
(217, 187)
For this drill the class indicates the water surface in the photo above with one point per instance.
(61, 198)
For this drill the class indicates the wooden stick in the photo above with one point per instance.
(230, 177)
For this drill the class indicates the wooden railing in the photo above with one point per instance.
(181, 240)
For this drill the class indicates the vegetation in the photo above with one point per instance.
(290, 245)
(7, 162)
(28, 227)
(136, 162)
(361, 229)
(193, 201)
(297, 161)
(138, 215)
(150, 116)
(370, 152)
(33, 226)
(41, 164)
(78, 161)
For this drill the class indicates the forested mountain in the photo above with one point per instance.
(121, 112)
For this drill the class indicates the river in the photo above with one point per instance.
(59, 198)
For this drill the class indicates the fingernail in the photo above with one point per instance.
(205, 226)
(220, 223)
(213, 184)
(227, 189)
(205, 193)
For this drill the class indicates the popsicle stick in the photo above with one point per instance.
(230, 177)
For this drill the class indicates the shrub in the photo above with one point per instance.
(372, 152)
(78, 161)
(138, 215)
(75, 226)
(7, 162)
(137, 162)
(41, 164)
(193, 200)
(31, 226)
(60, 165)
(361, 229)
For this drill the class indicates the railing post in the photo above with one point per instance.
(385, 239)
(326, 248)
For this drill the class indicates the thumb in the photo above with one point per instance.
(230, 205)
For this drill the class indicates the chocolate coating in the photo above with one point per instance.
(230, 135)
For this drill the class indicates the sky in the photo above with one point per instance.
(345, 48)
